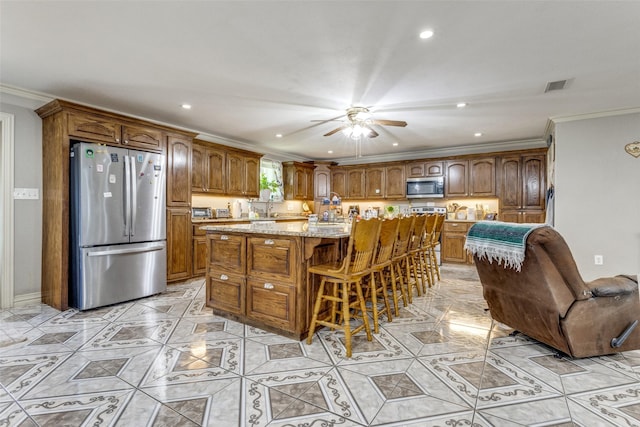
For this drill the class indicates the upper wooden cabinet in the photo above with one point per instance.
(322, 180)
(522, 188)
(355, 183)
(422, 168)
(470, 178)
(208, 173)
(243, 172)
(96, 128)
(482, 177)
(339, 181)
(298, 180)
(178, 167)
(385, 182)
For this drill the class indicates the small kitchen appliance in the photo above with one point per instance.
(222, 213)
(201, 213)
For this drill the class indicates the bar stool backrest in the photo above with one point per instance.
(386, 241)
(361, 246)
(405, 231)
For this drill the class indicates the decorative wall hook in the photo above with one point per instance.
(633, 148)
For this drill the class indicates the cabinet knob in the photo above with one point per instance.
(224, 277)
(269, 242)
(224, 237)
(268, 286)
(117, 139)
(126, 141)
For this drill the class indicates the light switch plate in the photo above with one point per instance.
(26, 193)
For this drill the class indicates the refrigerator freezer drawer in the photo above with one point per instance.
(113, 274)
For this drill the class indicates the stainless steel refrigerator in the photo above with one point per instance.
(117, 223)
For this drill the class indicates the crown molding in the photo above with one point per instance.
(587, 116)
(447, 151)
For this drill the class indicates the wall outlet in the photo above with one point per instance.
(26, 193)
(598, 260)
(289, 206)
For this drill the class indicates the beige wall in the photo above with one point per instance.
(27, 213)
(597, 204)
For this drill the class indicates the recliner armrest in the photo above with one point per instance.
(613, 286)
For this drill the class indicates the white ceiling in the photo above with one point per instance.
(252, 69)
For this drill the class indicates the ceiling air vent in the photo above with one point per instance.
(557, 85)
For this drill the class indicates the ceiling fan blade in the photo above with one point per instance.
(372, 133)
(335, 130)
(390, 123)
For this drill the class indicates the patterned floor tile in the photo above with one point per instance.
(19, 374)
(155, 309)
(615, 406)
(53, 339)
(132, 334)
(275, 353)
(98, 315)
(201, 328)
(303, 397)
(29, 316)
(210, 402)
(546, 412)
(385, 389)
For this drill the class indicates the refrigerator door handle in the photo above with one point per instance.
(126, 251)
(127, 195)
(134, 196)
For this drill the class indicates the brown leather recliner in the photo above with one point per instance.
(548, 300)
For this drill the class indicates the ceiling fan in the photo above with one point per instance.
(359, 124)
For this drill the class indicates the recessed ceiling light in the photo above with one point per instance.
(461, 104)
(186, 106)
(278, 135)
(395, 144)
(477, 134)
(330, 151)
(427, 34)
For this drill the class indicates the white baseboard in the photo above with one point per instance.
(27, 299)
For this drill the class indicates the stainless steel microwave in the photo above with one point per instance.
(425, 188)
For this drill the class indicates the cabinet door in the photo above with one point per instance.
(178, 244)
(375, 183)
(482, 177)
(251, 176)
(226, 253)
(272, 303)
(299, 183)
(216, 171)
(415, 170)
(235, 174)
(272, 259)
(339, 182)
(533, 182)
(356, 183)
(533, 216)
(510, 183)
(395, 182)
(146, 138)
(509, 216)
(309, 185)
(226, 292)
(433, 169)
(322, 183)
(178, 171)
(456, 179)
(198, 168)
(93, 128)
(199, 256)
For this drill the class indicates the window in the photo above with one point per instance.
(271, 170)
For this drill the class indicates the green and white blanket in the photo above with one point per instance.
(503, 242)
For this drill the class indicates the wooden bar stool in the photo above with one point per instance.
(405, 230)
(341, 277)
(381, 267)
(414, 261)
(425, 250)
(435, 241)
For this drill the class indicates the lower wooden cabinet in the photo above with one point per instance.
(199, 255)
(272, 303)
(454, 236)
(226, 292)
(178, 244)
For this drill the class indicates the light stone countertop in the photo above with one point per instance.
(297, 228)
(244, 219)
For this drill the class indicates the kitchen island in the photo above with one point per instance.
(258, 273)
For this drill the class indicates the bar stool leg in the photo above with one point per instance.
(316, 310)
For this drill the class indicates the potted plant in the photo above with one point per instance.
(267, 187)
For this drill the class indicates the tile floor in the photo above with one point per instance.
(167, 361)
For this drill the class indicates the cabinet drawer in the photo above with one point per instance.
(456, 227)
(93, 128)
(269, 258)
(226, 292)
(272, 303)
(226, 253)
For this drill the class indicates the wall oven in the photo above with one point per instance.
(425, 188)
